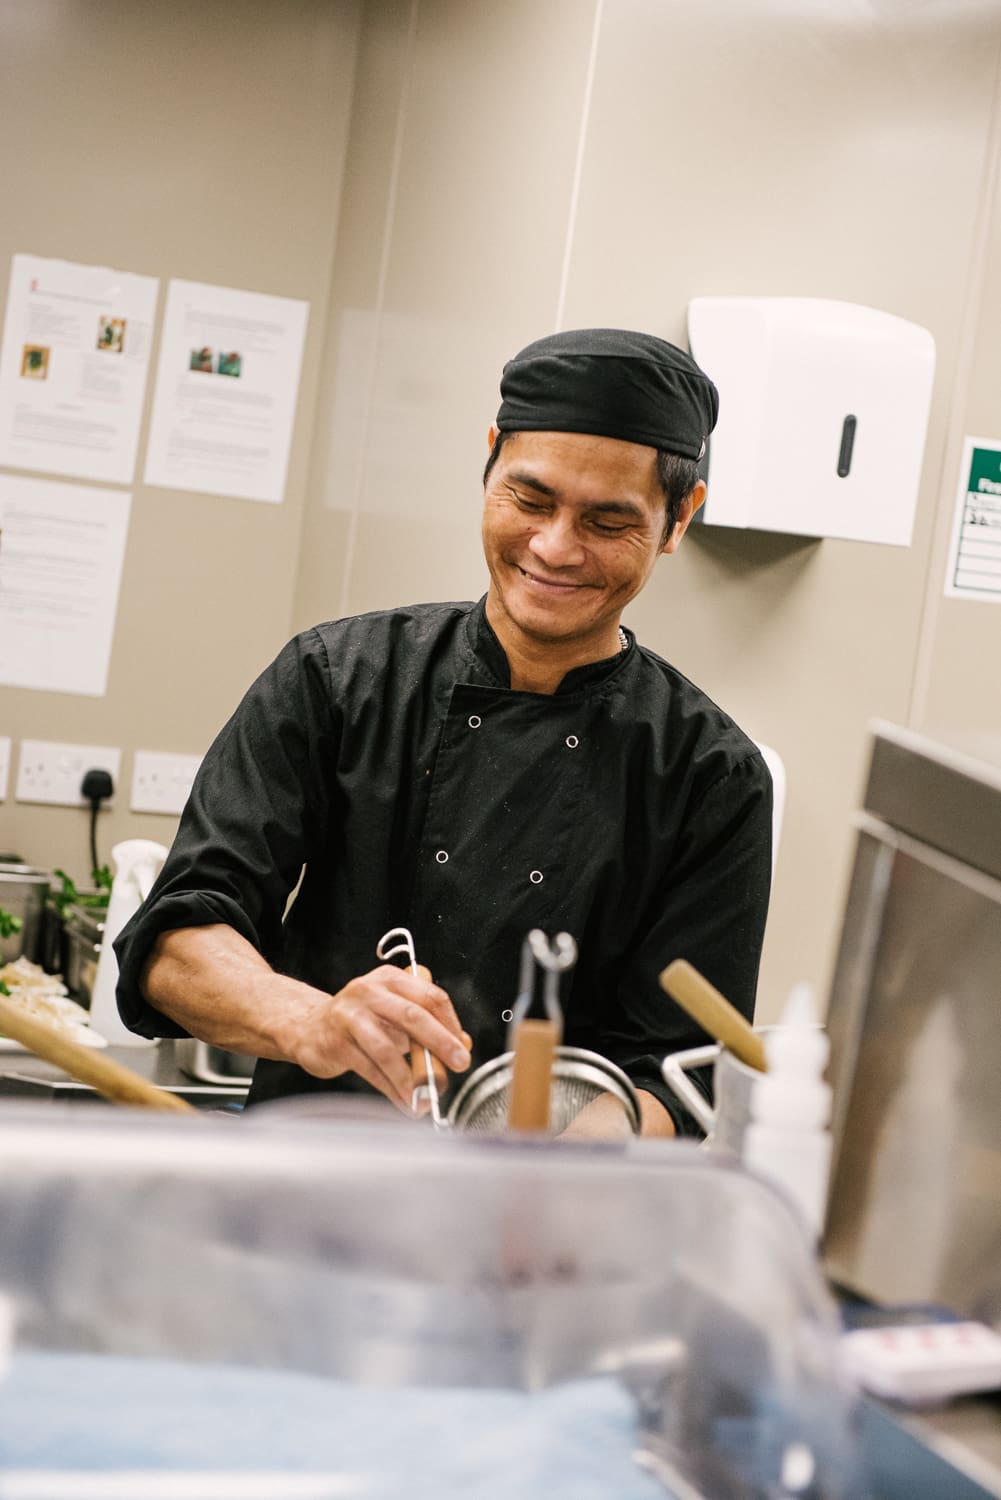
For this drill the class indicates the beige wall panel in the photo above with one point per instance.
(964, 687)
(202, 140)
(958, 688)
(477, 191)
(790, 149)
(398, 548)
(380, 93)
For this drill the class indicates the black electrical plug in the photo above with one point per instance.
(96, 786)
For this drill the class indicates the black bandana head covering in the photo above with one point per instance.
(613, 383)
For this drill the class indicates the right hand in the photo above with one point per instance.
(370, 1026)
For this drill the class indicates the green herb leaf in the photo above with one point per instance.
(9, 923)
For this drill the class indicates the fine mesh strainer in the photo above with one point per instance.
(493, 1099)
(539, 1084)
(483, 1104)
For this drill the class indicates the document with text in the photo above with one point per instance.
(226, 389)
(73, 367)
(61, 553)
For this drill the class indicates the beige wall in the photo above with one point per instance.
(511, 168)
(204, 141)
(604, 163)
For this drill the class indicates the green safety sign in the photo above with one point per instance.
(975, 554)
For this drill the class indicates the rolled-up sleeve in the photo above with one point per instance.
(260, 802)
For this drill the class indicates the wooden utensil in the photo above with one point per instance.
(108, 1077)
(535, 1044)
(714, 1013)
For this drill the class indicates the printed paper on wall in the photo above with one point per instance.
(61, 552)
(73, 366)
(226, 390)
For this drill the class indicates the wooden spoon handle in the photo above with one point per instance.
(535, 1044)
(714, 1013)
(86, 1065)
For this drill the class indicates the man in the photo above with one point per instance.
(473, 771)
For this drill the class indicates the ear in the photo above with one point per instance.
(491, 438)
(689, 506)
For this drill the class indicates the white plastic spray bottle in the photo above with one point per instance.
(787, 1138)
(136, 865)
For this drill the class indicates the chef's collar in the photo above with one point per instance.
(491, 655)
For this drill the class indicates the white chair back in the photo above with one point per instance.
(776, 766)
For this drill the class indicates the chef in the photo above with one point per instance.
(476, 770)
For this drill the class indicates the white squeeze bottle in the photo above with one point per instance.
(787, 1138)
(137, 863)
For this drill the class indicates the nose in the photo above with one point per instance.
(555, 542)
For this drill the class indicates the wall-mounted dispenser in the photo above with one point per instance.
(823, 415)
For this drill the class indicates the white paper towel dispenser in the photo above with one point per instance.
(823, 415)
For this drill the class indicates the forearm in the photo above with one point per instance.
(655, 1120)
(216, 985)
(605, 1119)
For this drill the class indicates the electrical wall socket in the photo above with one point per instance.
(161, 781)
(51, 772)
(4, 765)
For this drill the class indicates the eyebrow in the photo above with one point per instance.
(522, 476)
(605, 507)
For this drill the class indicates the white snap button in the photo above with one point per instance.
(475, 721)
(536, 877)
(507, 1015)
(572, 742)
(442, 856)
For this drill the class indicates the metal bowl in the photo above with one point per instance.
(23, 891)
(579, 1077)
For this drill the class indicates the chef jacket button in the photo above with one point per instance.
(536, 877)
(507, 1015)
(475, 721)
(442, 856)
(572, 742)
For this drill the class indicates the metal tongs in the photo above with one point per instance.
(534, 1043)
(403, 940)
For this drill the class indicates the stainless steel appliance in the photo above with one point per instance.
(83, 932)
(208, 1064)
(914, 1210)
(23, 891)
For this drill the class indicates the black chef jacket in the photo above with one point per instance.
(388, 755)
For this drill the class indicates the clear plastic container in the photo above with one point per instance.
(384, 1311)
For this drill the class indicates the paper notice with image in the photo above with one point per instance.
(61, 551)
(226, 389)
(73, 365)
(974, 567)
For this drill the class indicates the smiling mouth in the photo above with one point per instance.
(551, 585)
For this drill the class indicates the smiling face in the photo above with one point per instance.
(572, 527)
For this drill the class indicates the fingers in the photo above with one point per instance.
(419, 1056)
(371, 1025)
(358, 1061)
(418, 1063)
(383, 1051)
(419, 1069)
(420, 1009)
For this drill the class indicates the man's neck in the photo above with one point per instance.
(539, 666)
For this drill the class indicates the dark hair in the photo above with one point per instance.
(676, 475)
